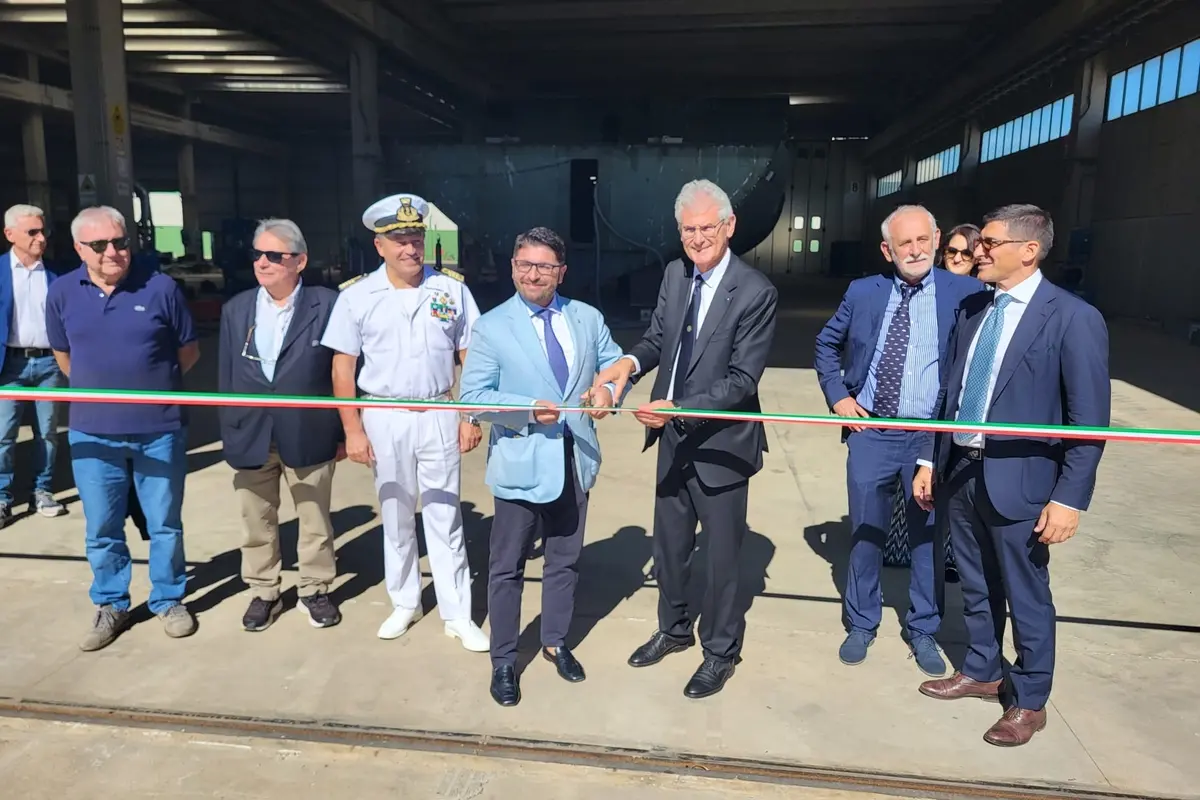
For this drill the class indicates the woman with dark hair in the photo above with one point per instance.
(958, 254)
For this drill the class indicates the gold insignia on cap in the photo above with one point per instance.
(407, 218)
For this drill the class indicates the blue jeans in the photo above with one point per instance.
(101, 465)
(39, 372)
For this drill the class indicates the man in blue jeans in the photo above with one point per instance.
(113, 327)
(25, 357)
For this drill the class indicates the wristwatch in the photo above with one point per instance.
(472, 420)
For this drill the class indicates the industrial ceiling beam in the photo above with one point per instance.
(1046, 41)
(52, 97)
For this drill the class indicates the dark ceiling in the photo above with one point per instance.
(452, 67)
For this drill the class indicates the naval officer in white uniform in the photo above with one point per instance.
(408, 321)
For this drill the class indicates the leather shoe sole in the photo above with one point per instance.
(674, 647)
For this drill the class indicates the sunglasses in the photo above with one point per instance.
(952, 252)
(36, 232)
(273, 256)
(101, 245)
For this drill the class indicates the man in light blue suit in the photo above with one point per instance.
(538, 350)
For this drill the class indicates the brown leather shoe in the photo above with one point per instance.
(958, 686)
(1016, 727)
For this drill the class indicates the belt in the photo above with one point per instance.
(31, 352)
(969, 453)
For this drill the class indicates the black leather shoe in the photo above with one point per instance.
(709, 678)
(568, 668)
(505, 689)
(659, 647)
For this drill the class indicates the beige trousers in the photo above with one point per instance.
(258, 492)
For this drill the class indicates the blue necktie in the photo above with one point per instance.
(554, 351)
(979, 374)
(688, 340)
(889, 373)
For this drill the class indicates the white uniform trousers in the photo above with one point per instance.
(416, 454)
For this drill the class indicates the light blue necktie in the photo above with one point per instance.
(979, 376)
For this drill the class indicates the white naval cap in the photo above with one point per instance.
(400, 212)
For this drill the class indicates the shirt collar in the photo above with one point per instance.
(714, 275)
(15, 262)
(289, 304)
(923, 283)
(555, 306)
(1023, 291)
(382, 281)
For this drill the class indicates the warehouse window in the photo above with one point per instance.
(1051, 121)
(939, 165)
(1155, 81)
(889, 184)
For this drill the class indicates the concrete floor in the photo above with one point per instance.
(1124, 709)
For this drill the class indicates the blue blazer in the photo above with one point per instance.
(506, 365)
(846, 345)
(1054, 372)
(6, 300)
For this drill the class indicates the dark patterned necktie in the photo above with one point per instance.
(688, 340)
(890, 372)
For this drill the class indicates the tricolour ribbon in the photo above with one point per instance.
(1141, 435)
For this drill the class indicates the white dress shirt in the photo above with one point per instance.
(711, 281)
(558, 324)
(27, 326)
(271, 322)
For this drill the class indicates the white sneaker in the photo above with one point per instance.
(394, 626)
(468, 632)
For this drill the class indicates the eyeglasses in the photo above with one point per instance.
(273, 256)
(542, 269)
(987, 243)
(100, 246)
(246, 349)
(706, 231)
(954, 252)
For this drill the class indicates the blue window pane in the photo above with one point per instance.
(1168, 82)
(1150, 83)
(1047, 114)
(1116, 96)
(1055, 119)
(1068, 114)
(957, 157)
(1133, 89)
(1189, 73)
(1008, 138)
(1026, 131)
(989, 139)
(1036, 123)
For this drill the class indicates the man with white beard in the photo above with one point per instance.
(882, 355)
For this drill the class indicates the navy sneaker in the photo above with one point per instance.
(854, 649)
(929, 658)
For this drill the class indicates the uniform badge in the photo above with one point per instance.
(442, 308)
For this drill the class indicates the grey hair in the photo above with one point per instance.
(21, 210)
(94, 213)
(694, 190)
(285, 231)
(1026, 223)
(886, 227)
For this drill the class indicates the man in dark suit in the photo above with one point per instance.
(710, 334)
(271, 344)
(882, 354)
(1031, 353)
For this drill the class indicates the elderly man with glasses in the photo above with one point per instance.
(271, 344)
(116, 327)
(25, 358)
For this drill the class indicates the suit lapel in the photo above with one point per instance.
(945, 314)
(879, 301)
(303, 317)
(577, 337)
(522, 325)
(1032, 322)
(963, 337)
(249, 315)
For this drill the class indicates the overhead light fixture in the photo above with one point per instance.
(810, 100)
(281, 87)
(182, 32)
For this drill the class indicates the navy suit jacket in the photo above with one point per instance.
(846, 345)
(6, 300)
(304, 437)
(1054, 372)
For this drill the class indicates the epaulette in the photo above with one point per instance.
(449, 273)
(345, 284)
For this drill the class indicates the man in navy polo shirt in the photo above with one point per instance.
(113, 327)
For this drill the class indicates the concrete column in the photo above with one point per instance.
(972, 144)
(1083, 152)
(33, 140)
(104, 156)
(366, 150)
(193, 246)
